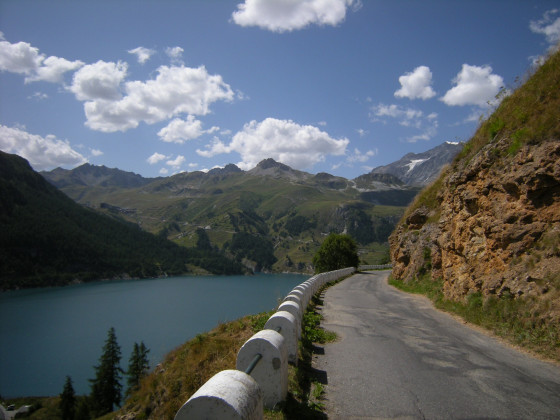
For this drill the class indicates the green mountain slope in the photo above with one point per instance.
(270, 218)
(47, 239)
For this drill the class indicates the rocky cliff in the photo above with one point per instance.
(491, 223)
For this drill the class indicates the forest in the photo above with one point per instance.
(49, 240)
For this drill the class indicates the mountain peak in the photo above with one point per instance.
(422, 168)
(271, 163)
(270, 167)
(230, 168)
(94, 175)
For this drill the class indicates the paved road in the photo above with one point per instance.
(397, 357)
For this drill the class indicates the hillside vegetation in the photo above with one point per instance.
(47, 239)
(484, 238)
(271, 218)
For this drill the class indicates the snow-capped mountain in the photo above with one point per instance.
(420, 169)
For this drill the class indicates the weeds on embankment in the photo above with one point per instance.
(517, 320)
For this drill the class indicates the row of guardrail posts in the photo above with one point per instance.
(261, 376)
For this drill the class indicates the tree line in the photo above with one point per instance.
(106, 387)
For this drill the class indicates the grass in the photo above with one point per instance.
(305, 389)
(517, 320)
(528, 116)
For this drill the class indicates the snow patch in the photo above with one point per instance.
(413, 163)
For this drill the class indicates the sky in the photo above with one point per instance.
(337, 86)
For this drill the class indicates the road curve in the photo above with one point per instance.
(398, 357)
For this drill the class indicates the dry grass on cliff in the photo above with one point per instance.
(187, 368)
(529, 115)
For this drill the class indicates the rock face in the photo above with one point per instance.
(496, 229)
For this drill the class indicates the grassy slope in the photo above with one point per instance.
(183, 203)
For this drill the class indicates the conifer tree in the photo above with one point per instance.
(106, 387)
(67, 403)
(138, 365)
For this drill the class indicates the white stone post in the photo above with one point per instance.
(297, 300)
(271, 372)
(230, 394)
(286, 322)
(293, 308)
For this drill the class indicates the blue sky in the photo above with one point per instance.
(338, 86)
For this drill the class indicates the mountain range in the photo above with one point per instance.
(271, 217)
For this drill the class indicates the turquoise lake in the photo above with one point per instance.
(46, 334)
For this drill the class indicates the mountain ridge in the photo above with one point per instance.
(94, 175)
(251, 215)
(420, 169)
(48, 239)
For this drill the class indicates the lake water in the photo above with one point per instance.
(46, 334)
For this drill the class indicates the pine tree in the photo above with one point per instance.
(106, 387)
(67, 403)
(138, 366)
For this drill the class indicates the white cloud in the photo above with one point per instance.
(408, 117)
(99, 81)
(19, 58)
(299, 146)
(177, 162)
(428, 133)
(175, 90)
(416, 84)
(155, 158)
(358, 156)
(163, 171)
(175, 54)
(547, 26)
(39, 96)
(22, 58)
(142, 54)
(41, 152)
(289, 15)
(52, 70)
(180, 131)
(474, 85)
(96, 152)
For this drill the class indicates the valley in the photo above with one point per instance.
(270, 218)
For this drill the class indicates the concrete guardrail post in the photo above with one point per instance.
(230, 394)
(306, 290)
(296, 299)
(301, 296)
(286, 322)
(293, 308)
(271, 373)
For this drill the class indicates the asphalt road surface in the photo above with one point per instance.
(398, 357)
